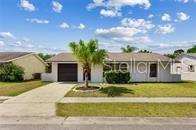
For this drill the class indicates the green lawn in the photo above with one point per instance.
(127, 109)
(16, 88)
(184, 89)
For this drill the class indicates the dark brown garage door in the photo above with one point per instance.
(67, 72)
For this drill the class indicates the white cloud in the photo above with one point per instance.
(122, 34)
(95, 3)
(25, 39)
(49, 49)
(166, 17)
(110, 13)
(182, 16)
(18, 44)
(38, 21)
(143, 39)
(150, 16)
(118, 4)
(172, 45)
(165, 29)
(117, 32)
(137, 23)
(26, 44)
(57, 7)
(64, 25)
(80, 26)
(114, 6)
(2, 43)
(22, 44)
(183, 1)
(27, 5)
(7, 35)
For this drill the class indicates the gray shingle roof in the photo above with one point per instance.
(137, 57)
(69, 57)
(9, 56)
(63, 57)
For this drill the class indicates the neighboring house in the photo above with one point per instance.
(187, 67)
(30, 62)
(143, 67)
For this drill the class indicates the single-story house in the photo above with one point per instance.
(30, 62)
(187, 66)
(143, 67)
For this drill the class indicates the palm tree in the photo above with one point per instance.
(88, 54)
(129, 49)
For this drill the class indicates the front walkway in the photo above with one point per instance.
(127, 99)
(37, 102)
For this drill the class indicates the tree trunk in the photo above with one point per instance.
(86, 79)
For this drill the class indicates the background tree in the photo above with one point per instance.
(45, 56)
(192, 49)
(175, 53)
(129, 49)
(88, 54)
(172, 56)
(144, 51)
(178, 52)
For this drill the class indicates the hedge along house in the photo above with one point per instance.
(143, 67)
(30, 62)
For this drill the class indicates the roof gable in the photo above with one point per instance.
(9, 56)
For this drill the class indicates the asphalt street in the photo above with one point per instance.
(96, 123)
(95, 127)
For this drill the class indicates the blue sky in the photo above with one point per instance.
(49, 25)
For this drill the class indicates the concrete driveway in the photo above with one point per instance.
(37, 102)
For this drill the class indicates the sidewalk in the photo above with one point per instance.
(37, 102)
(127, 99)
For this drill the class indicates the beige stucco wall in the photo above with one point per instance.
(183, 70)
(31, 65)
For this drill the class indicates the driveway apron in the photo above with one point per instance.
(37, 102)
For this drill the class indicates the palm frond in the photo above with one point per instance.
(89, 53)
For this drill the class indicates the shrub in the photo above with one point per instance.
(11, 72)
(117, 77)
